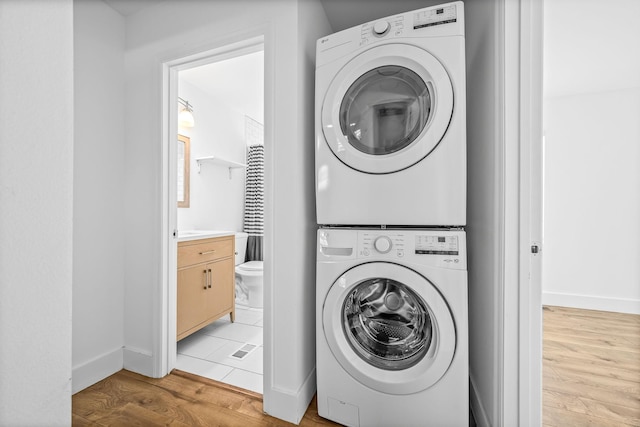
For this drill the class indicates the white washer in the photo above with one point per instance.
(391, 327)
(391, 121)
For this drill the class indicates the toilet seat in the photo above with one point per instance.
(251, 266)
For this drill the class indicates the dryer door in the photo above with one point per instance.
(387, 109)
(389, 328)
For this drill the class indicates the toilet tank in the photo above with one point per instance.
(241, 247)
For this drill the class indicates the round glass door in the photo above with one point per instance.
(387, 108)
(387, 324)
(389, 328)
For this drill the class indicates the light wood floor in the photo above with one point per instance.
(591, 368)
(591, 377)
(178, 400)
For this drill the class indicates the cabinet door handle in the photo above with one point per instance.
(206, 279)
(207, 252)
(210, 278)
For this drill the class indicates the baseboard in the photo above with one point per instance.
(291, 406)
(97, 369)
(589, 302)
(138, 361)
(476, 406)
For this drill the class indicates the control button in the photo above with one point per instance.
(382, 244)
(365, 252)
(380, 27)
(400, 253)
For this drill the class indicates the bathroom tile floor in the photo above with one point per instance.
(208, 352)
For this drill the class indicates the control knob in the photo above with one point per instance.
(382, 244)
(380, 28)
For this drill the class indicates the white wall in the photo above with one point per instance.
(592, 150)
(484, 208)
(168, 31)
(98, 218)
(36, 185)
(217, 201)
(592, 208)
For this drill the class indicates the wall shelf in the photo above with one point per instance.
(221, 162)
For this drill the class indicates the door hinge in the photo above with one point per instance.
(175, 234)
(535, 249)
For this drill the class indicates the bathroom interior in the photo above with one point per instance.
(220, 185)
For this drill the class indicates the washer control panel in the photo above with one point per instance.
(437, 245)
(376, 244)
(445, 248)
(427, 246)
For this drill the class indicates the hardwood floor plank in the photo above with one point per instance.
(589, 354)
(563, 401)
(554, 417)
(591, 392)
(593, 369)
(577, 374)
(630, 342)
(596, 325)
(78, 421)
(135, 415)
(593, 315)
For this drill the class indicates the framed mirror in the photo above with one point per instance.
(184, 143)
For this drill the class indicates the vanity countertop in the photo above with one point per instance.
(186, 235)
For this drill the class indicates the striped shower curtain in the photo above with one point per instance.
(254, 203)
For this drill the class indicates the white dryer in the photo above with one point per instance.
(391, 327)
(391, 121)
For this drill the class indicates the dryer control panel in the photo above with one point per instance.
(428, 21)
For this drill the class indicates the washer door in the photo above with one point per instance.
(389, 328)
(387, 109)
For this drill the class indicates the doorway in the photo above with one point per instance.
(223, 91)
(591, 180)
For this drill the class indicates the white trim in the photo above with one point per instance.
(139, 361)
(476, 406)
(592, 302)
(530, 201)
(270, 394)
(96, 369)
(501, 218)
(282, 401)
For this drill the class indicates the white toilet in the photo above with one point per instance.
(248, 276)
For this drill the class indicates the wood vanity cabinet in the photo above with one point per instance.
(206, 283)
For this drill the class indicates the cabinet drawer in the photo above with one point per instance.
(197, 251)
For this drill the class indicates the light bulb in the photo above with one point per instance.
(185, 118)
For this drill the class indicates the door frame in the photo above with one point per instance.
(165, 317)
(521, 379)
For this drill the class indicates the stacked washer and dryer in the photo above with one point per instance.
(391, 313)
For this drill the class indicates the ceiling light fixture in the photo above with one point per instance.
(185, 117)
